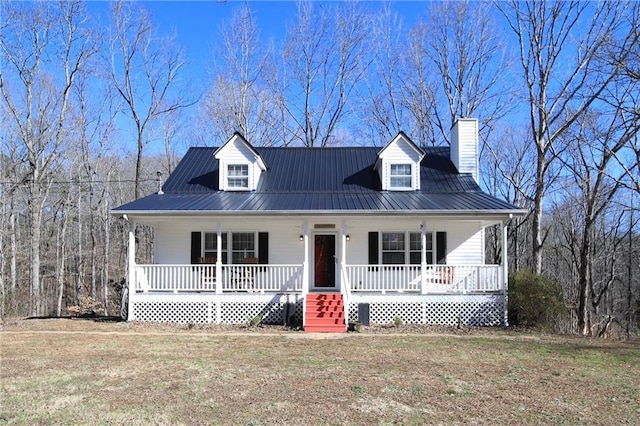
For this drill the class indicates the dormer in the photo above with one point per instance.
(398, 164)
(240, 165)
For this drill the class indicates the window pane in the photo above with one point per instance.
(238, 176)
(393, 248)
(238, 170)
(429, 241)
(209, 241)
(415, 257)
(400, 182)
(414, 241)
(243, 246)
(393, 241)
(393, 258)
(401, 169)
(400, 176)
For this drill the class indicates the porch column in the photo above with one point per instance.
(423, 257)
(343, 256)
(505, 273)
(218, 258)
(305, 262)
(345, 285)
(131, 252)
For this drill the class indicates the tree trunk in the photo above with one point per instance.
(80, 255)
(61, 247)
(105, 271)
(536, 248)
(35, 215)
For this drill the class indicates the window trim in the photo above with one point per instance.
(407, 247)
(237, 177)
(396, 175)
(228, 252)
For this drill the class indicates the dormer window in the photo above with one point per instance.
(240, 165)
(400, 176)
(398, 165)
(238, 176)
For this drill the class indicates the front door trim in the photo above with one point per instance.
(312, 281)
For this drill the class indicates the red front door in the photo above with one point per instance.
(325, 260)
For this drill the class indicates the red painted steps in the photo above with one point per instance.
(324, 313)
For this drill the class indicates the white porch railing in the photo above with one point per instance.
(288, 278)
(262, 278)
(250, 278)
(438, 278)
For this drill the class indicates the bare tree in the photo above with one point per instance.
(324, 62)
(241, 97)
(383, 113)
(558, 43)
(462, 50)
(144, 72)
(44, 49)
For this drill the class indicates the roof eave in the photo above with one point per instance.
(461, 213)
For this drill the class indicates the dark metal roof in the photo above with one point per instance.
(318, 180)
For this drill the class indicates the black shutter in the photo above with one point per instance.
(196, 246)
(263, 247)
(441, 248)
(373, 248)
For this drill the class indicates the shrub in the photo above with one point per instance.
(534, 300)
(255, 321)
(397, 321)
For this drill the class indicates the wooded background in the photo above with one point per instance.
(96, 114)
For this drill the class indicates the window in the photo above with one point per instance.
(400, 176)
(400, 248)
(238, 176)
(393, 248)
(243, 246)
(210, 246)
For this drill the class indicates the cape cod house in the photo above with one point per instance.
(322, 237)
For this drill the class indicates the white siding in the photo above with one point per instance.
(173, 238)
(465, 244)
(464, 146)
(173, 243)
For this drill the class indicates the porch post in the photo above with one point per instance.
(131, 252)
(423, 257)
(343, 253)
(305, 263)
(219, 258)
(345, 285)
(505, 273)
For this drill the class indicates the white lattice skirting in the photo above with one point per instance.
(470, 309)
(463, 309)
(221, 309)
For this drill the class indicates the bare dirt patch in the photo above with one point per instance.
(87, 372)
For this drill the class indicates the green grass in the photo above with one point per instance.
(124, 374)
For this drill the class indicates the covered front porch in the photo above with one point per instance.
(227, 282)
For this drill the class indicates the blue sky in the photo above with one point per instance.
(197, 23)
